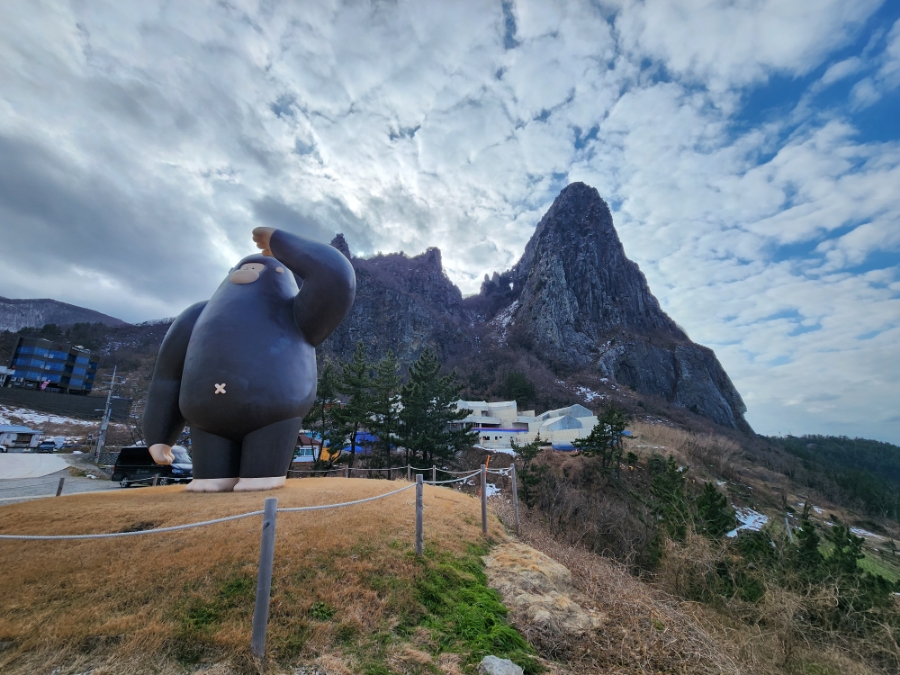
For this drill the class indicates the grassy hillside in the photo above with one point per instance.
(866, 472)
(347, 584)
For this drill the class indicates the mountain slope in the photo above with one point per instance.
(17, 314)
(585, 305)
(574, 306)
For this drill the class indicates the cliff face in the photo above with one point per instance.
(17, 314)
(574, 302)
(584, 305)
(402, 304)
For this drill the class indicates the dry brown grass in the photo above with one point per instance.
(647, 629)
(706, 450)
(643, 631)
(121, 604)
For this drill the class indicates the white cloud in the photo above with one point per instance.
(142, 143)
(727, 43)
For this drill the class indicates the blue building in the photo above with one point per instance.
(52, 366)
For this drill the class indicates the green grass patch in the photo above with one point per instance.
(873, 565)
(200, 614)
(464, 615)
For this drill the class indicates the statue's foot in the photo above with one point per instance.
(211, 485)
(252, 484)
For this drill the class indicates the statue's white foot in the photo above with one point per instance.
(252, 484)
(211, 485)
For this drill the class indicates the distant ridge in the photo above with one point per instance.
(18, 314)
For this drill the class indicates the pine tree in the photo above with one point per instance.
(354, 384)
(384, 406)
(605, 439)
(531, 474)
(668, 489)
(321, 417)
(714, 515)
(428, 418)
(809, 558)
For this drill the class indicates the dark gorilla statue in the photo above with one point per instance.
(240, 369)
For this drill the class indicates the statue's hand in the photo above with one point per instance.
(262, 236)
(162, 453)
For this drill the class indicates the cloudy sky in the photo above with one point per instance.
(749, 150)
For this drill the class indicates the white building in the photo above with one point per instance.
(15, 436)
(499, 424)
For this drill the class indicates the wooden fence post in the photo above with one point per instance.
(433, 473)
(408, 472)
(420, 547)
(346, 472)
(264, 578)
(155, 480)
(484, 498)
(515, 491)
(62, 479)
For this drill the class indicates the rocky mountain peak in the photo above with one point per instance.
(579, 302)
(341, 245)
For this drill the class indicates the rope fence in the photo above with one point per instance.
(267, 540)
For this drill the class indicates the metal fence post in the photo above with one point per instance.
(62, 479)
(155, 480)
(420, 547)
(264, 578)
(515, 491)
(484, 498)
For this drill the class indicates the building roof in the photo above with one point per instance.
(17, 429)
(559, 423)
(576, 410)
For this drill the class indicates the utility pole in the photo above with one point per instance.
(104, 424)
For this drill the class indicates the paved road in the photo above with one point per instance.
(14, 490)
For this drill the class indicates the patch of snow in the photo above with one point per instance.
(721, 482)
(492, 489)
(505, 451)
(817, 509)
(749, 520)
(859, 532)
(588, 394)
(503, 319)
(77, 452)
(604, 380)
(30, 417)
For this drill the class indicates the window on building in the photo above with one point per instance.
(56, 354)
(53, 366)
(79, 371)
(83, 360)
(26, 349)
(40, 351)
(76, 382)
(52, 378)
(31, 375)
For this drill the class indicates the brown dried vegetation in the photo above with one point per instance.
(187, 597)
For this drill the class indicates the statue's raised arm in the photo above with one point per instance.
(326, 279)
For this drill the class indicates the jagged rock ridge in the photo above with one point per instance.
(583, 303)
(574, 301)
(17, 314)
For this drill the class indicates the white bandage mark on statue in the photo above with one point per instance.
(220, 388)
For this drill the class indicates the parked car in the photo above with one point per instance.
(135, 466)
(2, 448)
(46, 446)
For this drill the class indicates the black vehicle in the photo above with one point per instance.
(134, 465)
